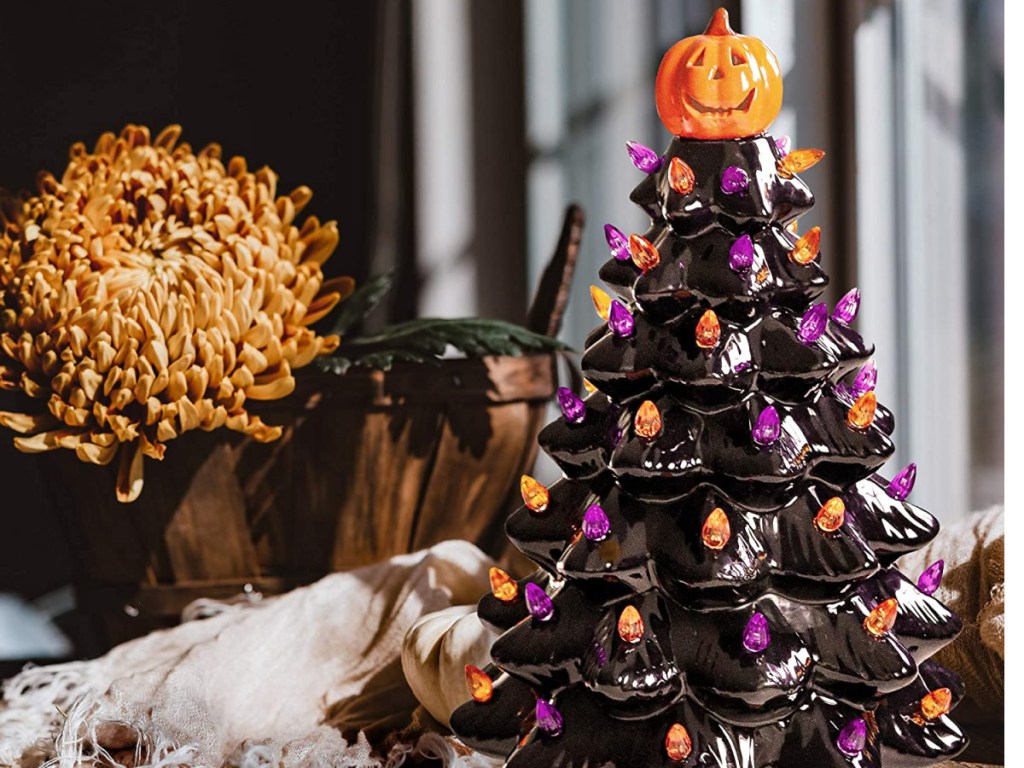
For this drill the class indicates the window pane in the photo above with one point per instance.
(983, 142)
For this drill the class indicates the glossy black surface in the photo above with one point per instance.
(770, 199)
(782, 707)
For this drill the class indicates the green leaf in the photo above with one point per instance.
(426, 340)
(357, 306)
(334, 364)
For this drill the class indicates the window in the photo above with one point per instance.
(930, 156)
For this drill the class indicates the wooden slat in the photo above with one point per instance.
(548, 306)
(388, 466)
(208, 536)
(473, 472)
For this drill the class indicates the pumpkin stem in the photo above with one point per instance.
(719, 24)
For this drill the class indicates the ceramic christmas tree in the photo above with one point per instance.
(716, 583)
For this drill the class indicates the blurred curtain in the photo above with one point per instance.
(470, 159)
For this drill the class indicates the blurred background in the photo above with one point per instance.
(446, 137)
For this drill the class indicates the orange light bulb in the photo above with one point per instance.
(831, 515)
(882, 618)
(479, 684)
(806, 248)
(678, 744)
(535, 495)
(680, 176)
(716, 531)
(647, 422)
(709, 331)
(631, 625)
(503, 586)
(602, 302)
(936, 703)
(644, 254)
(862, 412)
(798, 161)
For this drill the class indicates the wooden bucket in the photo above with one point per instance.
(371, 464)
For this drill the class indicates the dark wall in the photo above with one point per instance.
(291, 87)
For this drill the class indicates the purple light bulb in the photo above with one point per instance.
(901, 485)
(600, 655)
(735, 180)
(846, 308)
(573, 409)
(741, 254)
(643, 157)
(538, 603)
(615, 434)
(618, 243)
(620, 320)
(756, 635)
(931, 577)
(866, 379)
(768, 427)
(595, 523)
(853, 737)
(549, 719)
(782, 144)
(813, 323)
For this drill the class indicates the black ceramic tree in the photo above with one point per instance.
(716, 583)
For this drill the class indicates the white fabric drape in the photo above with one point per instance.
(280, 681)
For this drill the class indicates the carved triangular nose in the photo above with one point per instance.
(717, 73)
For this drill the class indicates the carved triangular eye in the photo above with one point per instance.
(699, 61)
(737, 58)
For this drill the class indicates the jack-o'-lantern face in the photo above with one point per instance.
(718, 85)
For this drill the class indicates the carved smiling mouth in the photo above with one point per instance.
(743, 106)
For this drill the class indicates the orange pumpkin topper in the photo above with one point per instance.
(718, 85)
